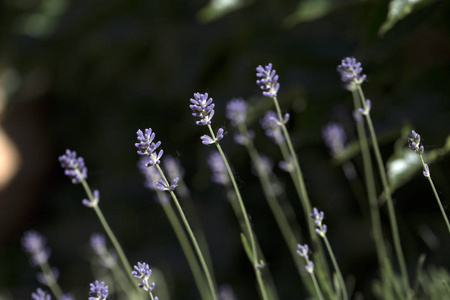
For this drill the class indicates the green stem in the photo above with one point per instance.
(187, 249)
(371, 191)
(109, 232)
(51, 280)
(299, 184)
(256, 266)
(336, 267)
(436, 195)
(192, 236)
(387, 192)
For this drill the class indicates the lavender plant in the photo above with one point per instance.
(147, 148)
(415, 143)
(351, 74)
(317, 276)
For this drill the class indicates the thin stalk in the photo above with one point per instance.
(51, 280)
(336, 267)
(371, 191)
(192, 236)
(109, 232)
(187, 249)
(436, 194)
(275, 207)
(256, 266)
(299, 184)
(387, 192)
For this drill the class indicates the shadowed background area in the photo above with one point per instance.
(85, 75)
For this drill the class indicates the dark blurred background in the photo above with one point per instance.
(85, 75)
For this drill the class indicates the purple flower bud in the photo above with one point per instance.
(426, 172)
(162, 186)
(98, 243)
(318, 216)
(236, 111)
(34, 244)
(218, 168)
(73, 166)
(207, 140)
(142, 271)
(272, 127)
(40, 295)
(350, 71)
(147, 147)
(268, 81)
(334, 137)
(414, 141)
(98, 291)
(203, 108)
(94, 202)
(303, 250)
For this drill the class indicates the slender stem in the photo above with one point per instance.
(270, 195)
(336, 267)
(51, 280)
(316, 286)
(109, 232)
(387, 192)
(192, 236)
(436, 195)
(256, 266)
(187, 249)
(300, 187)
(371, 190)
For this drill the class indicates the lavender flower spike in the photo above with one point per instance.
(334, 137)
(236, 111)
(73, 166)
(147, 147)
(207, 140)
(40, 295)
(350, 70)
(143, 271)
(318, 216)
(34, 244)
(203, 108)
(414, 141)
(98, 291)
(162, 186)
(268, 81)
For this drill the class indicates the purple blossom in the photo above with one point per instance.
(318, 216)
(366, 110)
(73, 166)
(142, 271)
(218, 168)
(94, 202)
(34, 244)
(268, 80)
(272, 127)
(414, 141)
(426, 172)
(203, 108)
(98, 244)
(334, 137)
(350, 71)
(66, 297)
(40, 295)
(98, 291)
(147, 147)
(244, 139)
(163, 186)
(303, 251)
(236, 111)
(207, 140)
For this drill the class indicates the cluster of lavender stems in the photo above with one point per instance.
(268, 82)
(75, 169)
(351, 74)
(274, 125)
(147, 148)
(202, 107)
(415, 144)
(236, 112)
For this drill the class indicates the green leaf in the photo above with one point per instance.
(308, 10)
(399, 9)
